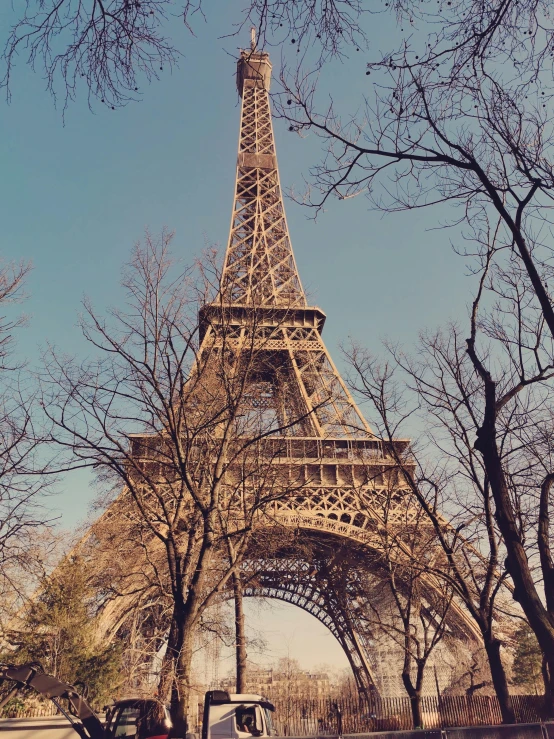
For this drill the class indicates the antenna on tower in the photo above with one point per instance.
(253, 38)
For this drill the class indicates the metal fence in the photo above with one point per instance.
(514, 731)
(309, 717)
(352, 714)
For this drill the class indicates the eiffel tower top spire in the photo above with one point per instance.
(259, 265)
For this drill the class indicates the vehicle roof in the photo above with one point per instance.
(251, 698)
(134, 701)
(243, 697)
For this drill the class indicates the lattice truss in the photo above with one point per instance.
(342, 586)
(259, 265)
(345, 472)
(329, 598)
(298, 382)
(260, 274)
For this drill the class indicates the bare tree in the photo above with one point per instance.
(509, 336)
(175, 413)
(22, 484)
(410, 606)
(108, 49)
(447, 480)
(111, 46)
(103, 47)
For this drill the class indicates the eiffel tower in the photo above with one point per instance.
(333, 441)
(347, 470)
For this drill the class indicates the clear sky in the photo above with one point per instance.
(75, 197)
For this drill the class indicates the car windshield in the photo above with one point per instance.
(127, 721)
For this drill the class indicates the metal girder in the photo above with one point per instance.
(260, 274)
(303, 585)
(347, 471)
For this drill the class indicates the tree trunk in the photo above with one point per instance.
(525, 590)
(185, 616)
(545, 677)
(499, 680)
(174, 682)
(167, 670)
(180, 693)
(415, 705)
(240, 636)
(415, 699)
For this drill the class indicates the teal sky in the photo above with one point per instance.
(74, 198)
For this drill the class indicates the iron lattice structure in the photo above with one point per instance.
(260, 275)
(346, 470)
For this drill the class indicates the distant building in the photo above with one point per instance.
(291, 682)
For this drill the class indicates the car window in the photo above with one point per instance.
(126, 722)
(246, 719)
(269, 722)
